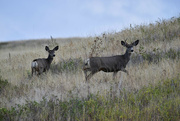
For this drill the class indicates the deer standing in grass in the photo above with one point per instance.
(41, 65)
(109, 64)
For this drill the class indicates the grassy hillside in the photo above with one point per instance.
(149, 92)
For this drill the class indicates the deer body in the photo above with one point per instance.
(43, 64)
(109, 64)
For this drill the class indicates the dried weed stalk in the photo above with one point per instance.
(96, 48)
(52, 42)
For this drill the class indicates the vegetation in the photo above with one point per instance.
(151, 91)
(160, 102)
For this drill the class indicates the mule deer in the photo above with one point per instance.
(41, 65)
(109, 64)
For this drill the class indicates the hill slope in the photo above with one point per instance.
(156, 59)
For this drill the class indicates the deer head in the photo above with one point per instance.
(129, 46)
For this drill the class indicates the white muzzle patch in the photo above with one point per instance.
(34, 64)
(132, 49)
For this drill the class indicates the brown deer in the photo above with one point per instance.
(41, 65)
(109, 64)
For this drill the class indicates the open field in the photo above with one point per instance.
(154, 67)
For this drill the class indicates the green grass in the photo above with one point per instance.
(159, 102)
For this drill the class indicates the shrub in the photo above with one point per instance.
(3, 83)
(70, 65)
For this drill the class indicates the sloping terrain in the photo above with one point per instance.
(62, 93)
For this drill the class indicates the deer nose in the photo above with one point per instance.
(132, 50)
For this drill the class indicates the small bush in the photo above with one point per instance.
(157, 55)
(70, 65)
(3, 83)
(96, 48)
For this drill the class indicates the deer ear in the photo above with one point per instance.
(135, 43)
(123, 43)
(56, 48)
(47, 48)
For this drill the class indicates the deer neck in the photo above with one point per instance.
(127, 56)
(49, 59)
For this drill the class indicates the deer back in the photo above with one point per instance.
(42, 63)
(107, 64)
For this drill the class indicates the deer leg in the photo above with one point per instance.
(45, 71)
(124, 70)
(40, 71)
(86, 77)
(90, 75)
(114, 75)
(85, 73)
(31, 71)
(35, 72)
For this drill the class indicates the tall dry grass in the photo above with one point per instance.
(15, 64)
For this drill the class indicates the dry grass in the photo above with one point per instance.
(64, 85)
(15, 66)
